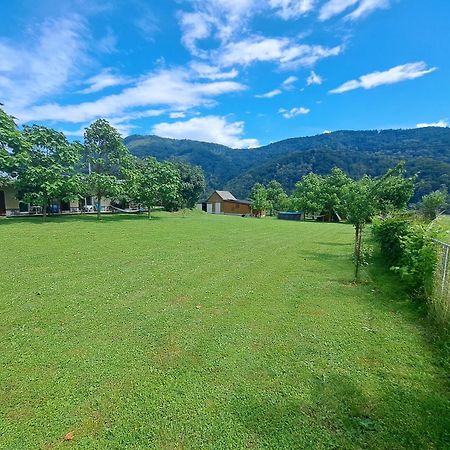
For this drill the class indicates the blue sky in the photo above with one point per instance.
(238, 72)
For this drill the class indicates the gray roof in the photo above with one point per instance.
(243, 202)
(226, 195)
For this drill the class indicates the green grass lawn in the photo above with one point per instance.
(208, 332)
(444, 223)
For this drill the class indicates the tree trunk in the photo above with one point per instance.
(44, 210)
(149, 211)
(358, 246)
(99, 206)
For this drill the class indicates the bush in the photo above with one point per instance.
(408, 247)
(388, 233)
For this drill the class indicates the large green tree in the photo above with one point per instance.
(46, 168)
(309, 194)
(151, 183)
(192, 186)
(104, 157)
(277, 198)
(393, 190)
(367, 197)
(335, 186)
(258, 198)
(13, 147)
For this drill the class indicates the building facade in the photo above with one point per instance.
(224, 202)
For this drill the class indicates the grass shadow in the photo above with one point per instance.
(340, 412)
(91, 218)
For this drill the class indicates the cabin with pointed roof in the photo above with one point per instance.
(224, 202)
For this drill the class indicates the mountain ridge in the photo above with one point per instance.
(426, 150)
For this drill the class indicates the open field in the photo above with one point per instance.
(208, 332)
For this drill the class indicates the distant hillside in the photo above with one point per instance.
(426, 150)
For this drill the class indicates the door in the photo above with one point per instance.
(2, 203)
(209, 208)
(217, 211)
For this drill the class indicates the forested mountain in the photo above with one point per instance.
(426, 151)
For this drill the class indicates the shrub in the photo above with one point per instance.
(408, 247)
(388, 233)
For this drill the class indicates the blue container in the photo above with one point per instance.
(295, 215)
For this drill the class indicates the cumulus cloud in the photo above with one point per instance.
(106, 78)
(215, 129)
(440, 123)
(172, 89)
(269, 94)
(293, 112)
(313, 79)
(284, 51)
(394, 75)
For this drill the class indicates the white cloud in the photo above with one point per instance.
(290, 9)
(106, 78)
(166, 88)
(335, 7)
(394, 75)
(288, 82)
(195, 26)
(283, 51)
(209, 72)
(50, 55)
(363, 8)
(218, 18)
(208, 129)
(441, 123)
(366, 7)
(269, 94)
(293, 112)
(177, 115)
(313, 79)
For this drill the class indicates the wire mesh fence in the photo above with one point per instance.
(441, 295)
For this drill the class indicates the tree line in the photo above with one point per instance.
(357, 201)
(43, 165)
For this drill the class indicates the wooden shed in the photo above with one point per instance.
(224, 202)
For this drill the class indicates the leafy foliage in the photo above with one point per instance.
(408, 247)
(104, 156)
(433, 203)
(258, 197)
(366, 197)
(191, 189)
(309, 194)
(46, 168)
(152, 183)
(277, 198)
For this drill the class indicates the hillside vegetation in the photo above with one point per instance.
(426, 150)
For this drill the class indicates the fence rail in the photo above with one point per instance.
(441, 295)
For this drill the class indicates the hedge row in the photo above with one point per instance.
(407, 246)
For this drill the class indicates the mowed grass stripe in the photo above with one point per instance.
(208, 332)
